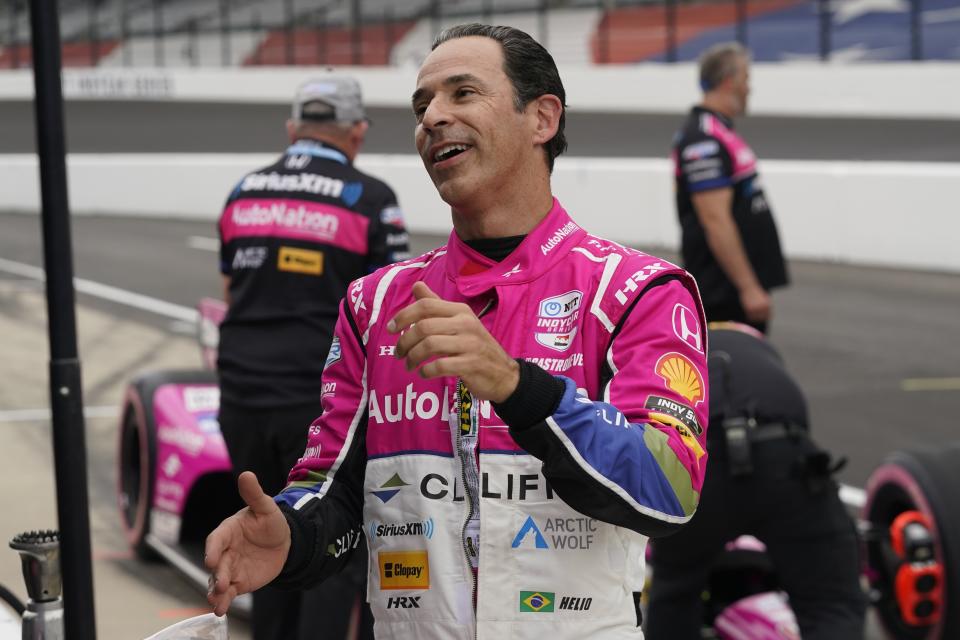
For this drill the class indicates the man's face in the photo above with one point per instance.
(740, 86)
(469, 133)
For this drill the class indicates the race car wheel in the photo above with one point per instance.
(136, 462)
(922, 481)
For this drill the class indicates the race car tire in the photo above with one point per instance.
(12, 601)
(924, 480)
(137, 454)
(136, 466)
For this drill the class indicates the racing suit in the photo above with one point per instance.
(528, 517)
(708, 154)
(293, 236)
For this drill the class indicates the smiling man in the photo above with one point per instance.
(509, 416)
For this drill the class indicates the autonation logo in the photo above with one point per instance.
(422, 528)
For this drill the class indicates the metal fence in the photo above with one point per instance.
(293, 32)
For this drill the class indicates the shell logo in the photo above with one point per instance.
(681, 376)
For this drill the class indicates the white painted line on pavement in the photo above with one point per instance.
(106, 292)
(203, 243)
(930, 384)
(43, 415)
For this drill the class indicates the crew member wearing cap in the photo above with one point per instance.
(293, 235)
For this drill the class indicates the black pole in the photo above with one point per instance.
(488, 11)
(742, 22)
(671, 10)
(916, 30)
(66, 401)
(224, 33)
(823, 8)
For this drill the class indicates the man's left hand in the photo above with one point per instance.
(447, 339)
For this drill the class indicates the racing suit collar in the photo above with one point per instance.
(727, 122)
(475, 274)
(318, 149)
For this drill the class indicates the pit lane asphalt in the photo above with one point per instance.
(182, 127)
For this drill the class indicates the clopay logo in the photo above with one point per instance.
(404, 570)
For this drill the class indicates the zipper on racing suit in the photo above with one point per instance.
(467, 442)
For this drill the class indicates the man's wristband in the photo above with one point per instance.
(536, 397)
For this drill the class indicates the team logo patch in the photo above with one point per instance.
(404, 570)
(390, 488)
(536, 601)
(530, 527)
(681, 376)
(686, 326)
(556, 321)
(676, 410)
(300, 261)
(465, 406)
(334, 354)
(423, 528)
(562, 306)
(556, 341)
(392, 216)
(701, 150)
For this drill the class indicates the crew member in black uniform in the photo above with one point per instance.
(729, 239)
(293, 236)
(766, 478)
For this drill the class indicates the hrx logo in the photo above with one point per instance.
(404, 602)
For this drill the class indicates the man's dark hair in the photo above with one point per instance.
(529, 67)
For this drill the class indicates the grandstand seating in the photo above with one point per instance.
(299, 32)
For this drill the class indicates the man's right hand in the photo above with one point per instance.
(757, 304)
(248, 549)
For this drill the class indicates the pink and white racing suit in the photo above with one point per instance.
(509, 526)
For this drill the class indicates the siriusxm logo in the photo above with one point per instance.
(423, 528)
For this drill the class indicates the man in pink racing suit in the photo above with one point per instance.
(506, 418)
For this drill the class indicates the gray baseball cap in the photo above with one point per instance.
(329, 99)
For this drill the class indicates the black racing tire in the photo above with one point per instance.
(137, 454)
(925, 480)
(11, 600)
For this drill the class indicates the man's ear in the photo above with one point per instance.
(292, 130)
(547, 109)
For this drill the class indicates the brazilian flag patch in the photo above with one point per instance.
(537, 601)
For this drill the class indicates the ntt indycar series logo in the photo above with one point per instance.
(556, 321)
(424, 528)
